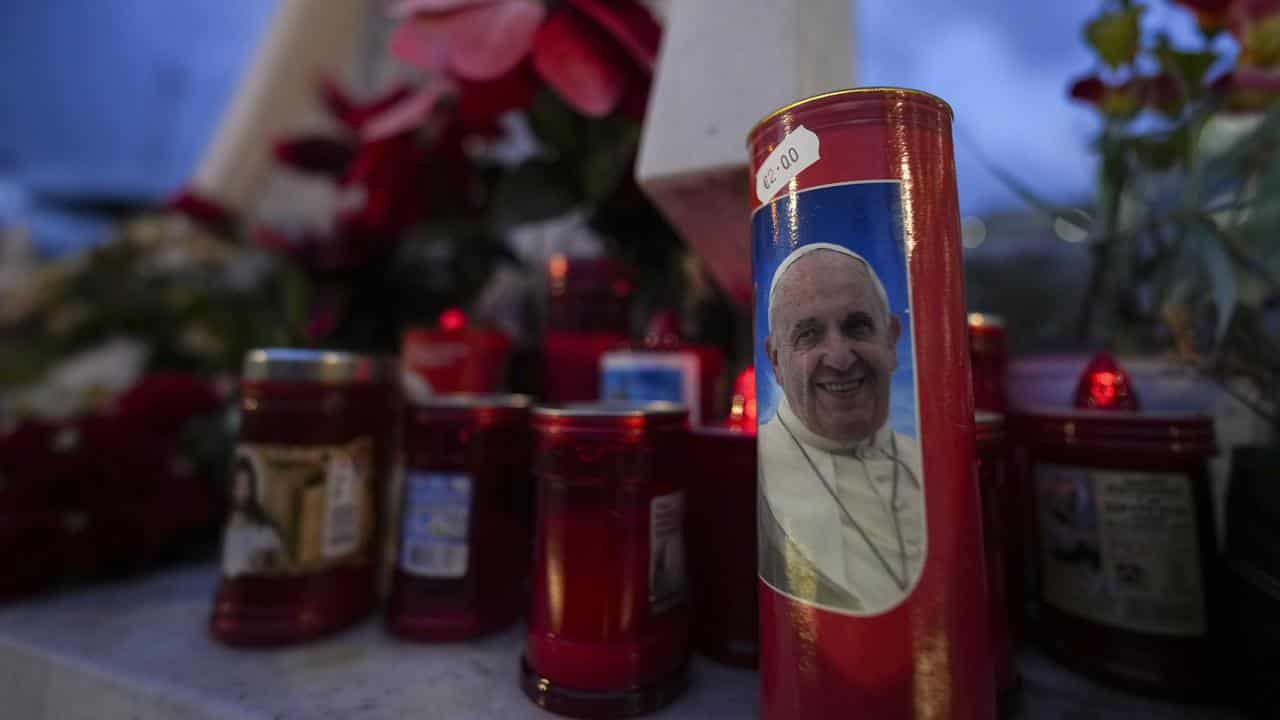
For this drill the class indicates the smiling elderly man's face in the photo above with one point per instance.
(832, 343)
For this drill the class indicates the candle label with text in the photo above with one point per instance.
(1121, 548)
(436, 524)
(299, 510)
(666, 551)
(797, 151)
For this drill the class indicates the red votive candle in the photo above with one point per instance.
(588, 309)
(463, 546)
(989, 354)
(299, 548)
(609, 619)
(453, 357)
(1124, 532)
(722, 544)
(993, 486)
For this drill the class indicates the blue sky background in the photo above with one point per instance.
(867, 219)
(120, 97)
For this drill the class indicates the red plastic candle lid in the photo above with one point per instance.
(605, 416)
(1104, 386)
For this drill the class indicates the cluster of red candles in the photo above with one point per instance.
(338, 482)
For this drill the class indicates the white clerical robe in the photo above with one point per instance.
(879, 547)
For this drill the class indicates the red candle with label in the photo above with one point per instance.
(609, 619)
(992, 485)
(299, 548)
(453, 357)
(873, 597)
(665, 368)
(464, 543)
(1124, 534)
(990, 356)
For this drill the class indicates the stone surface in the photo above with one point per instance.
(140, 650)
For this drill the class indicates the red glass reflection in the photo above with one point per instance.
(1104, 386)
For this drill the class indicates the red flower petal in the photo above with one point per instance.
(636, 99)
(480, 104)
(314, 154)
(1089, 89)
(407, 8)
(479, 42)
(1207, 6)
(629, 23)
(352, 114)
(578, 62)
(409, 114)
(422, 42)
(490, 41)
(1259, 9)
(164, 401)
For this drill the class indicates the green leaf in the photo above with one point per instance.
(535, 190)
(1114, 35)
(554, 123)
(1188, 68)
(1221, 274)
(1161, 151)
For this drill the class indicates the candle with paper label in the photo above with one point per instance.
(1124, 536)
(872, 592)
(664, 368)
(453, 357)
(609, 619)
(300, 545)
(464, 525)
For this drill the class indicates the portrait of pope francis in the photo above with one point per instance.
(841, 493)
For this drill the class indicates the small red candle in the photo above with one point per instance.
(463, 547)
(989, 357)
(453, 357)
(609, 620)
(722, 544)
(1123, 526)
(299, 549)
(588, 314)
(992, 484)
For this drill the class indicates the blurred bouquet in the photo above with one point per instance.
(1185, 229)
(113, 399)
(513, 138)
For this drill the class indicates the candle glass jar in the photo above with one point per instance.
(609, 619)
(990, 358)
(1127, 554)
(299, 548)
(462, 563)
(993, 486)
(722, 544)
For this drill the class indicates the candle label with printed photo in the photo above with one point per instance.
(436, 524)
(1121, 548)
(298, 510)
(666, 551)
(644, 377)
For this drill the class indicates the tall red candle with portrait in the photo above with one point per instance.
(872, 591)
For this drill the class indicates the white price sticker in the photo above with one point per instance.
(797, 151)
